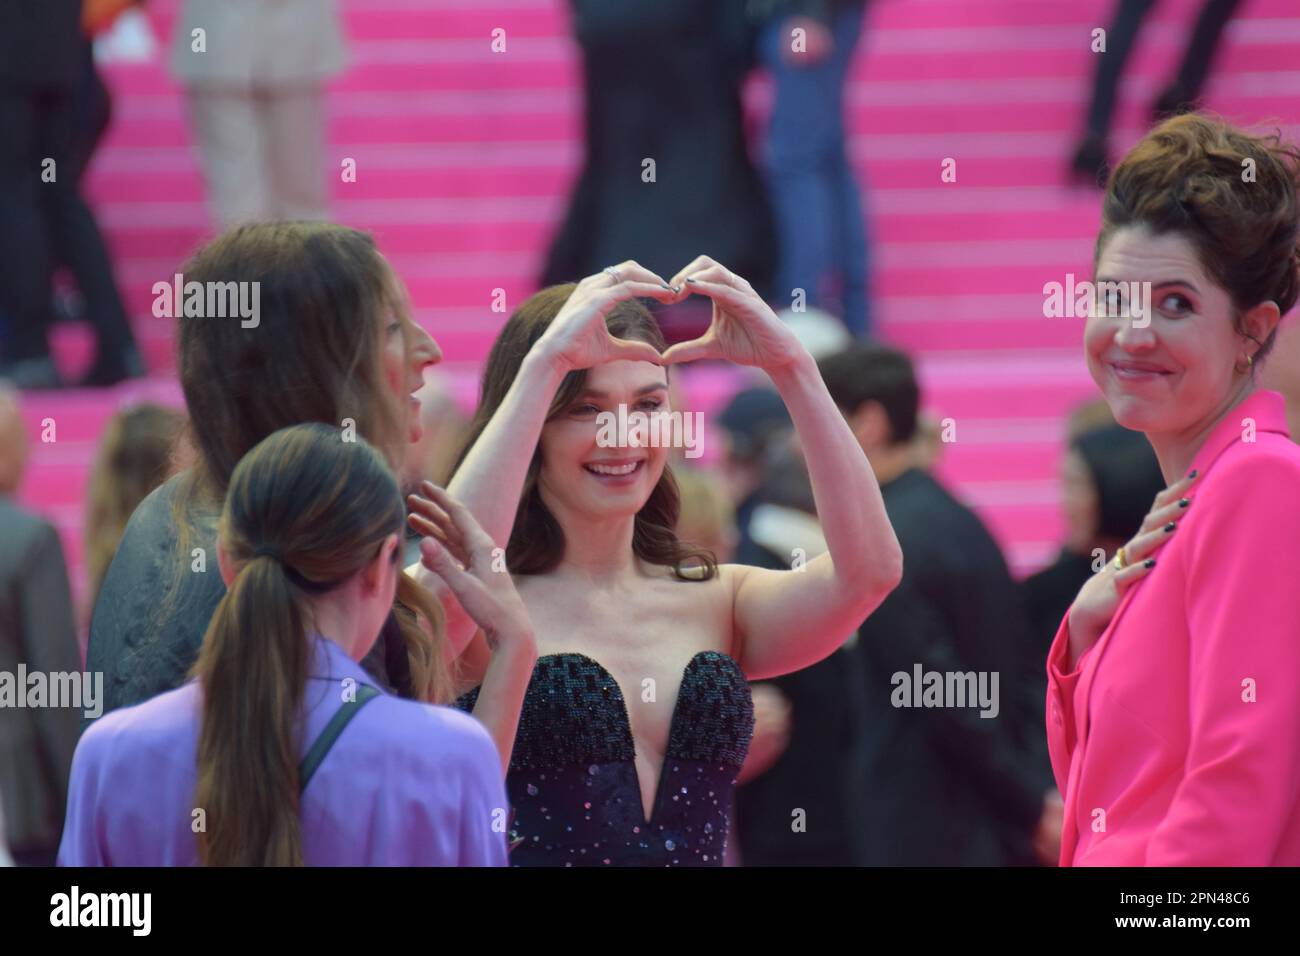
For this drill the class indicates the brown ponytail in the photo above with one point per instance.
(305, 511)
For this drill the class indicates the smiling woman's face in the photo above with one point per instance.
(577, 474)
(1179, 370)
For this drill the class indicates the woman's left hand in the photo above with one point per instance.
(744, 329)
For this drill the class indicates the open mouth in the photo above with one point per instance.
(615, 472)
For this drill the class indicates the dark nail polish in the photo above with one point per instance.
(665, 285)
(691, 281)
(1149, 563)
(1170, 527)
(1184, 502)
(1193, 474)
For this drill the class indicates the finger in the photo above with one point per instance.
(439, 560)
(428, 529)
(630, 269)
(719, 274)
(425, 506)
(1144, 545)
(476, 539)
(1162, 518)
(1125, 578)
(1176, 490)
(696, 265)
(633, 350)
(434, 513)
(696, 350)
(720, 292)
(634, 289)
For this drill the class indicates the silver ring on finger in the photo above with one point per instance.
(613, 273)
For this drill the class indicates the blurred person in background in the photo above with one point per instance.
(44, 221)
(1109, 476)
(1091, 160)
(804, 722)
(707, 518)
(254, 74)
(135, 457)
(938, 786)
(751, 424)
(37, 631)
(663, 82)
(822, 237)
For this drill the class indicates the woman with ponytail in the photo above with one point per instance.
(281, 751)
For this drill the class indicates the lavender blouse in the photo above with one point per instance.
(406, 784)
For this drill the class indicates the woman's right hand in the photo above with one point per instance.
(1100, 595)
(578, 338)
(467, 560)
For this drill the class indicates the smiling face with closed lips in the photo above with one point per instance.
(577, 474)
(1177, 372)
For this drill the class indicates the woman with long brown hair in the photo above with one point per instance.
(332, 341)
(638, 715)
(282, 751)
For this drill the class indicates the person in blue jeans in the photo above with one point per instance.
(819, 214)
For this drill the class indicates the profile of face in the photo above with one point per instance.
(1180, 370)
(407, 351)
(580, 477)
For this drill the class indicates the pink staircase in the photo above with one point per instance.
(464, 159)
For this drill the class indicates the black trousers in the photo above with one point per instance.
(1120, 37)
(43, 224)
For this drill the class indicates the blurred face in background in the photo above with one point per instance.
(1080, 503)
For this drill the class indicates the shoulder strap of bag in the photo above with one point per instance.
(316, 755)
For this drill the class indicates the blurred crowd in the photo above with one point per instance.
(887, 786)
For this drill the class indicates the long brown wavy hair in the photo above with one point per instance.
(316, 355)
(537, 540)
(324, 506)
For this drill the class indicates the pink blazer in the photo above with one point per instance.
(1176, 739)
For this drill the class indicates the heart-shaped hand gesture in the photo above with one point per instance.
(744, 329)
(578, 337)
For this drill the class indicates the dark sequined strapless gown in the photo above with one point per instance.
(573, 784)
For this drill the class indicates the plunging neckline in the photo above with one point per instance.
(646, 822)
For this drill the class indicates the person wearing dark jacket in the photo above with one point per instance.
(795, 813)
(942, 779)
(667, 171)
(43, 218)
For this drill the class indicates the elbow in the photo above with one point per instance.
(889, 570)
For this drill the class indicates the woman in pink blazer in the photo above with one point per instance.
(1173, 704)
